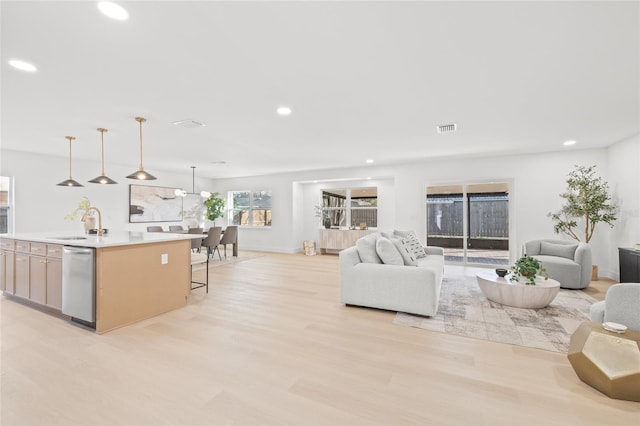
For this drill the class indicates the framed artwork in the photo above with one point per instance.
(154, 204)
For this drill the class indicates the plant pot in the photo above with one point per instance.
(89, 223)
(327, 223)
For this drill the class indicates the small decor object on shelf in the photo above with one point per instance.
(529, 268)
(323, 215)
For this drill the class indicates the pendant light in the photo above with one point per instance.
(70, 181)
(103, 179)
(140, 174)
(183, 193)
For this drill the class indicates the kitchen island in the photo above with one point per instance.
(137, 274)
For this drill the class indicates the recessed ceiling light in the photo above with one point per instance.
(113, 11)
(22, 65)
(369, 161)
(283, 110)
(568, 143)
(189, 123)
(220, 162)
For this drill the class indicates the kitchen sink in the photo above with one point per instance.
(68, 238)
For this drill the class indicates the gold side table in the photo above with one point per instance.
(607, 361)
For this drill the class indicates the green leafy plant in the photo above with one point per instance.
(587, 198)
(215, 206)
(83, 205)
(323, 215)
(529, 268)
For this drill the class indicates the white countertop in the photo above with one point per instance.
(108, 240)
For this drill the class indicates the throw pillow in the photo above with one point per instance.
(414, 246)
(407, 255)
(366, 247)
(403, 234)
(559, 250)
(388, 252)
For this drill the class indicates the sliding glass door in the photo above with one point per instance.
(470, 221)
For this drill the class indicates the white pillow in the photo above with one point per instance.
(388, 252)
(367, 249)
(559, 250)
(403, 234)
(407, 255)
(414, 246)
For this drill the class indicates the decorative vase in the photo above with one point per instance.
(327, 223)
(89, 223)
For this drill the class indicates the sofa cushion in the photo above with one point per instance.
(367, 248)
(388, 252)
(402, 234)
(413, 245)
(407, 255)
(559, 250)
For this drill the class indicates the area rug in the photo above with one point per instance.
(465, 311)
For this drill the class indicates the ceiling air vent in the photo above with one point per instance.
(188, 123)
(447, 128)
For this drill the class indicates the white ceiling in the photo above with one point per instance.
(364, 79)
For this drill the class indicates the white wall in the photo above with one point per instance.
(538, 179)
(41, 205)
(624, 182)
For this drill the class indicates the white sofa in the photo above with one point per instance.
(567, 262)
(365, 281)
(621, 304)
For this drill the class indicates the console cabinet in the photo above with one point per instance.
(629, 260)
(334, 240)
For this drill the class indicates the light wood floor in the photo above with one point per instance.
(271, 344)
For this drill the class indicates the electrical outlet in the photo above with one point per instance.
(164, 259)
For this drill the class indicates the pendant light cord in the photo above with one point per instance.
(140, 120)
(102, 143)
(70, 139)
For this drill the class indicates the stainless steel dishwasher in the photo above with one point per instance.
(79, 284)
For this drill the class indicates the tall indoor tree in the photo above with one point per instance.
(586, 200)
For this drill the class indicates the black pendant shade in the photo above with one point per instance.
(70, 181)
(140, 174)
(103, 179)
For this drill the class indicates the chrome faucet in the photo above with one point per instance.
(84, 218)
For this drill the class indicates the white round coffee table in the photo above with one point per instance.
(518, 294)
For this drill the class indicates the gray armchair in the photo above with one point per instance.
(567, 262)
(621, 304)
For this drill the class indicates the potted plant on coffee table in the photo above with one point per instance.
(529, 268)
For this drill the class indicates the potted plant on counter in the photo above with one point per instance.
(90, 220)
(529, 268)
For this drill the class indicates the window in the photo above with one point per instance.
(470, 221)
(6, 203)
(355, 206)
(249, 208)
